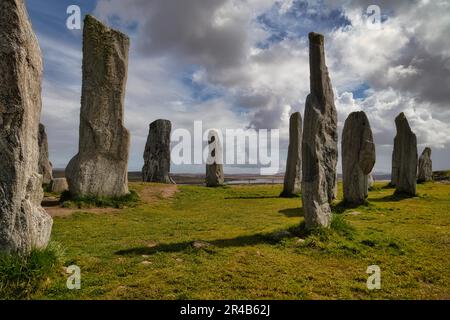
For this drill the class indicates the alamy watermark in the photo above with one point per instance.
(373, 17)
(74, 280)
(230, 146)
(73, 22)
(374, 279)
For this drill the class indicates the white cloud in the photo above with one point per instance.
(406, 64)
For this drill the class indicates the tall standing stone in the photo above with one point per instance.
(45, 166)
(425, 173)
(370, 182)
(293, 175)
(157, 153)
(214, 165)
(100, 167)
(320, 137)
(24, 224)
(404, 158)
(358, 157)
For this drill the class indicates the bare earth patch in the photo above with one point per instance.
(148, 194)
(54, 209)
(156, 192)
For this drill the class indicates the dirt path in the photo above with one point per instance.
(54, 209)
(148, 194)
(155, 192)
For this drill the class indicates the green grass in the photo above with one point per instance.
(258, 248)
(129, 200)
(21, 277)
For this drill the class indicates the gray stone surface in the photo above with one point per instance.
(45, 166)
(24, 224)
(157, 153)
(370, 181)
(320, 138)
(425, 173)
(100, 167)
(358, 157)
(293, 176)
(59, 185)
(404, 158)
(214, 165)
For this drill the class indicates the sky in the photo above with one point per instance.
(240, 64)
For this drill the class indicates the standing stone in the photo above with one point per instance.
(320, 137)
(59, 185)
(100, 167)
(214, 165)
(358, 157)
(370, 182)
(157, 153)
(425, 166)
(24, 224)
(404, 158)
(293, 175)
(45, 166)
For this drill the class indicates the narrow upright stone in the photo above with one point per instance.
(425, 166)
(358, 157)
(101, 165)
(59, 185)
(45, 166)
(370, 182)
(214, 165)
(320, 137)
(24, 224)
(157, 153)
(293, 175)
(404, 158)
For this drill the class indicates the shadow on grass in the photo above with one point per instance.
(341, 207)
(251, 240)
(252, 197)
(394, 197)
(293, 212)
(338, 226)
(388, 186)
(50, 202)
(290, 195)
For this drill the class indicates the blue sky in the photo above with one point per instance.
(234, 64)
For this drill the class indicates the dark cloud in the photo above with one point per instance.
(428, 78)
(191, 31)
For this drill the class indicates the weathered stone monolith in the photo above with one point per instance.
(425, 173)
(59, 185)
(214, 164)
(370, 182)
(293, 176)
(157, 153)
(100, 167)
(320, 137)
(24, 224)
(45, 166)
(404, 158)
(358, 157)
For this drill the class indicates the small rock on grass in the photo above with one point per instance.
(200, 244)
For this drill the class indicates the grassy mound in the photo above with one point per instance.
(23, 276)
(130, 200)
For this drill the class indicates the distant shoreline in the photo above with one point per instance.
(232, 179)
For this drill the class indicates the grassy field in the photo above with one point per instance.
(146, 252)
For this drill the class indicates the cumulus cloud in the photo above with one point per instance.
(237, 64)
